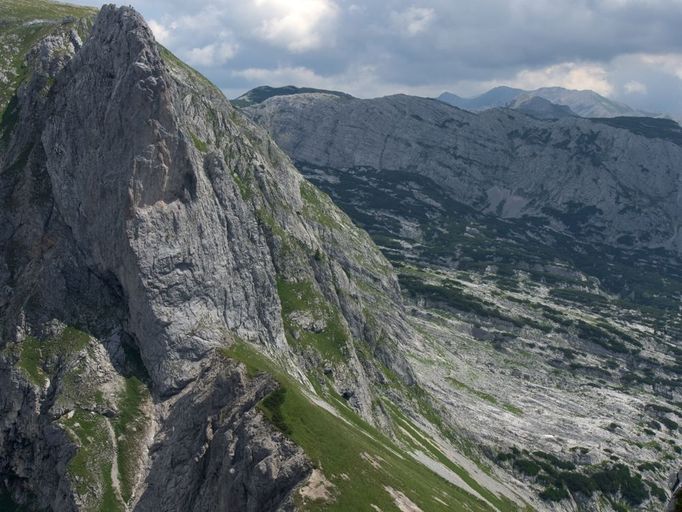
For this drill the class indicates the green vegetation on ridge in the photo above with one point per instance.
(25, 22)
(34, 353)
(360, 462)
(302, 298)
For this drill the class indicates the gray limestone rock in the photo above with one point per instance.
(498, 161)
(140, 207)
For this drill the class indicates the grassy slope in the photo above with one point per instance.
(358, 460)
(302, 297)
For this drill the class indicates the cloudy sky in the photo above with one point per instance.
(629, 50)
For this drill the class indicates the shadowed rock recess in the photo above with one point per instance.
(146, 231)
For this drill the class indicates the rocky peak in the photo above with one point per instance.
(131, 185)
(134, 156)
(141, 210)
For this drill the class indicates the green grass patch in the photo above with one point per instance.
(90, 468)
(36, 354)
(272, 408)
(317, 206)
(303, 298)
(513, 409)
(198, 143)
(267, 220)
(129, 427)
(31, 361)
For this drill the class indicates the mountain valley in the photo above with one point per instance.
(521, 297)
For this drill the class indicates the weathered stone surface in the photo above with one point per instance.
(215, 452)
(498, 161)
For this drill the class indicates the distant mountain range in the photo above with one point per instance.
(543, 103)
(582, 103)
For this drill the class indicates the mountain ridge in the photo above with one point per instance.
(585, 103)
(508, 131)
(260, 94)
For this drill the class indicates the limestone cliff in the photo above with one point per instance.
(146, 226)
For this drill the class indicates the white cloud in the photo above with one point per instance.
(423, 47)
(670, 63)
(625, 4)
(282, 75)
(413, 20)
(161, 33)
(635, 87)
(212, 54)
(568, 74)
(299, 25)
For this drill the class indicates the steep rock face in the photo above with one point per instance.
(622, 186)
(161, 215)
(141, 208)
(132, 187)
(235, 458)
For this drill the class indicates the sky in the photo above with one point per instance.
(627, 50)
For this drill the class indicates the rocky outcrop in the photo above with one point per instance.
(216, 452)
(590, 179)
(145, 224)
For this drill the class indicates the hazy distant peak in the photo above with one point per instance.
(584, 103)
